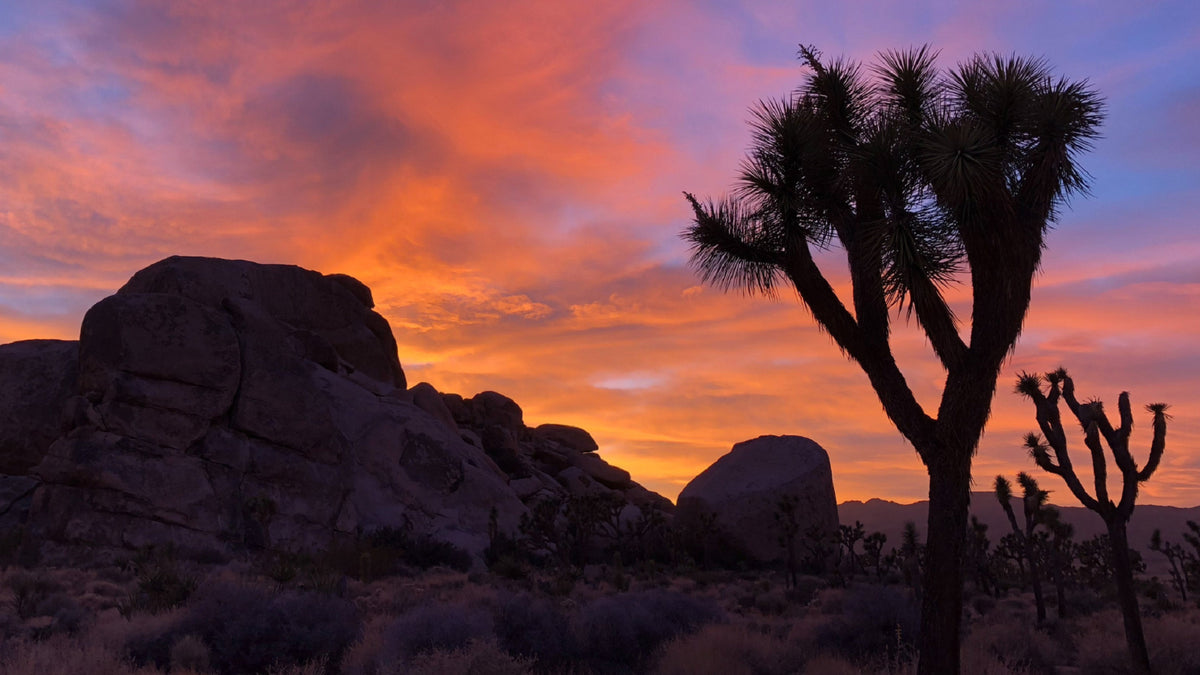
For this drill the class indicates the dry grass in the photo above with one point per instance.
(860, 629)
(63, 655)
(730, 649)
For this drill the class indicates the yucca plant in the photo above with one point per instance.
(1034, 499)
(1098, 431)
(922, 177)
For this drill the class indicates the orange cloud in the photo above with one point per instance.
(507, 177)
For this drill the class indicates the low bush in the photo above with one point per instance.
(530, 626)
(730, 650)
(67, 614)
(1016, 643)
(1172, 643)
(248, 630)
(433, 627)
(867, 619)
(478, 657)
(29, 590)
(381, 553)
(61, 654)
(624, 630)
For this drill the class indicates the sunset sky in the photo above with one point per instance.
(507, 178)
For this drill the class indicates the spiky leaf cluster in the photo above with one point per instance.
(909, 167)
(1049, 449)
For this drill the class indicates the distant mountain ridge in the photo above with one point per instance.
(878, 515)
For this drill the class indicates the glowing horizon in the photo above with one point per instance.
(508, 182)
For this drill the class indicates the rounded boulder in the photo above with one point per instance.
(744, 489)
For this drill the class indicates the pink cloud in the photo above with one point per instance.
(507, 178)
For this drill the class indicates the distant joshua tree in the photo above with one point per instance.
(1060, 547)
(789, 529)
(922, 177)
(1034, 500)
(1096, 426)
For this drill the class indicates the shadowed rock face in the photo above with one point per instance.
(36, 379)
(743, 490)
(222, 404)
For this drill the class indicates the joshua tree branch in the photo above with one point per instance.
(1099, 466)
(874, 357)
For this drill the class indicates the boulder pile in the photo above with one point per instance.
(229, 405)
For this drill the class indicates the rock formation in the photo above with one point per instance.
(228, 405)
(742, 490)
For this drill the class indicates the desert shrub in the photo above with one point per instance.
(530, 626)
(61, 654)
(772, 603)
(362, 658)
(381, 553)
(29, 590)
(160, 584)
(1016, 643)
(190, 653)
(864, 620)
(68, 615)
(805, 589)
(433, 627)
(478, 657)
(1102, 646)
(825, 664)
(623, 630)
(730, 650)
(248, 630)
(1172, 643)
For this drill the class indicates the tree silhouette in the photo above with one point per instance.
(919, 176)
(1185, 564)
(1034, 498)
(1060, 554)
(1096, 425)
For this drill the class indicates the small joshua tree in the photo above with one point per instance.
(1185, 563)
(1177, 557)
(1060, 553)
(789, 528)
(1034, 500)
(848, 538)
(1096, 426)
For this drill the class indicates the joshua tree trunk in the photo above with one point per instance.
(1127, 595)
(941, 606)
(1061, 590)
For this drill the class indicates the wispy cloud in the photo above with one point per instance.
(507, 178)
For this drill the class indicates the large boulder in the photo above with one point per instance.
(744, 488)
(158, 367)
(574, 438)
(227, 405)
(37, 377)
(335, 308)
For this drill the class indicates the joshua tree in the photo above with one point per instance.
(848, 538)
(1185, 564)
(1060, 552)
(789, 528)
(1177, 557)
(911, 557)
(873, 552)
(977, 558)
(919, 176)
(1096, 425)
(1034, 500)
